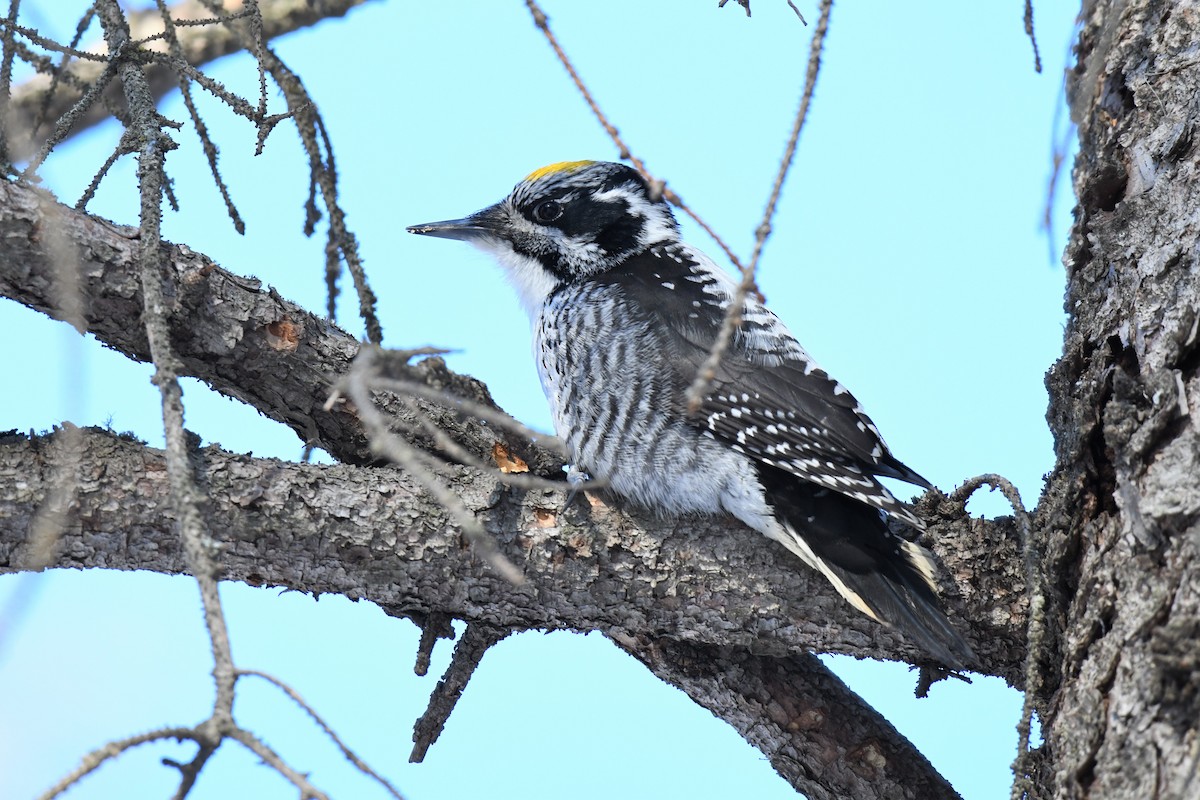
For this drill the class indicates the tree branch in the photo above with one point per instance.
(476, 640)
(41, 99)
(377, 535)
(811, 726)
(246, 342)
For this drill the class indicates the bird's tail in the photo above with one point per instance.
(887, 578)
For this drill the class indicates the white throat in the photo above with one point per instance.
(527, 275)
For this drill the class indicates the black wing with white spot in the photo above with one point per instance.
(768, 398)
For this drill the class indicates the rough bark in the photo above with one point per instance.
(705, 606)
(1121, 508)
(373, 533)
(799, 714)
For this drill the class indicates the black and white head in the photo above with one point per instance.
(564, 223)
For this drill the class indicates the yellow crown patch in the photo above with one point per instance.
(561, 166)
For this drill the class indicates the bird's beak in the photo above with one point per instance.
(479, 225)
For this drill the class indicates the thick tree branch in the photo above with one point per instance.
(802, 717)
(244, 341)
(201, 44)
(374, 533)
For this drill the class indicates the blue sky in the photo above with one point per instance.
(907, 258)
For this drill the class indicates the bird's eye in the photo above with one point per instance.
(547, 211)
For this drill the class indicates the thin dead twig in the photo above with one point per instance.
(55, 47)
(1037, 56)
(358, 384)
(154, 143)
(733, 314)
(1060, 147)
(66, 123)
(9, 53)
(95, 759)
(460, 454)
(471, 408)
(48, 95)
(276, 762)
(206, 142)
(349, 754)
(543, 23)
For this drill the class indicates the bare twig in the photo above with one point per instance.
(350, 755)
(206, 143)
(67, 122)
(55, 47)
(543, 23)
(249, 11)
(733, 314)
(276, 762)
(470, 408)
(59, 74)
(377, 382)
(1058, 156)
(153, 144)
(9, 52)
(95, 759)
(124, 147)
(460, 454)
(358, 384)
(190, 43)
(1036, 632)
(1037, 57)
(151, 177)
(475, 641)
(434, 626)
(49, 94)
(789, 152)
(64, 456)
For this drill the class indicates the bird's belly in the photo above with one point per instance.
(675, 469)
(619, 415)
(654, 460)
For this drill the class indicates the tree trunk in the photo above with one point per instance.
(1120, 510)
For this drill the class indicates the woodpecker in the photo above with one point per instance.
(624, 313)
